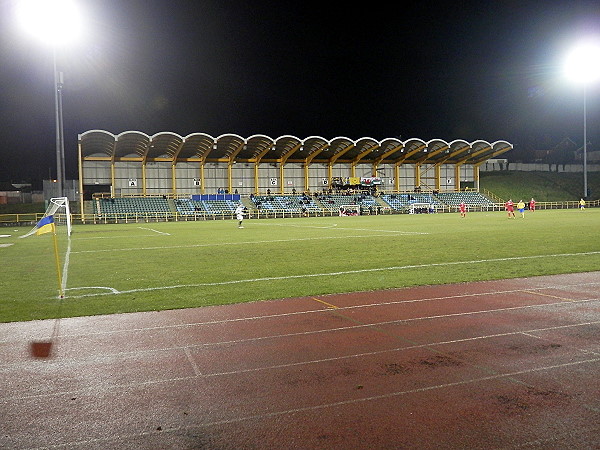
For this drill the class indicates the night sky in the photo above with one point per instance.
(447, 70)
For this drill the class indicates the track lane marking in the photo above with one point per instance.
(329, 305)
(255, 369)
(317, 311)
(191, 360)
(551, 296)
(327, 405)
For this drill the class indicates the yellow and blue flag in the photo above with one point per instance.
(46, 225)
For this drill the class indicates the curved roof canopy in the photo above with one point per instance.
(230, 148)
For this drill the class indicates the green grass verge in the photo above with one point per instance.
(157, 266)
(543, 186)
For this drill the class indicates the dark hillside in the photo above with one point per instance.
(543, 186)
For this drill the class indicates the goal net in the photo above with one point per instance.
(349, 210)
(58, 208)
(420, 208)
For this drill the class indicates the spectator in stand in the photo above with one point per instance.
(463, 209)
(532, 204)
(510, 209)
(521, 208)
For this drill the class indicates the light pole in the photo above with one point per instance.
(60, 140)
(585, 186)
(582, 65)
(55, 22)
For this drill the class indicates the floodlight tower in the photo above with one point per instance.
(582, 65)
(55, 22)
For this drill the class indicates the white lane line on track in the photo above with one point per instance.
(389, 322)
(18, 337)
(331, 274)
(316, 407)
(82, 360)
(368, 305)
(192, 362)
(327, 330)
(392, 394)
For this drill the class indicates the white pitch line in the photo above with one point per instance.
(346, 272)
(335, 225)
(128, 236)
(106, 288)
(217, 244)
(155, 231)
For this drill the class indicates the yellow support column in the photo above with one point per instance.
(438, 176)
(256, 187)
(457, 177)
(112, 178)
(282, 181)
(201, 170)
(173, 180)
(417, 175)
(476, 175)
(144, 179)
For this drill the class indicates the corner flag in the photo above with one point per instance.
(46, 225)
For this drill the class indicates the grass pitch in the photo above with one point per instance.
(153, 266)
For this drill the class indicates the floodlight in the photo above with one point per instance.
(582, 63)
(56, 22)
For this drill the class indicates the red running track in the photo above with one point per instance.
(501, 364)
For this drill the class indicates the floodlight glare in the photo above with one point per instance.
(56, 22)
(583, 62)
(582, 65)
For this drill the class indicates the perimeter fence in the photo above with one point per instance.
(29, 219)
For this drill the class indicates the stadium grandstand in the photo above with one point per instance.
(132, 175)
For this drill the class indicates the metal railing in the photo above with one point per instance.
(25, 219)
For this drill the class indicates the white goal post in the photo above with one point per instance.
(58, 207)
(417, 208)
